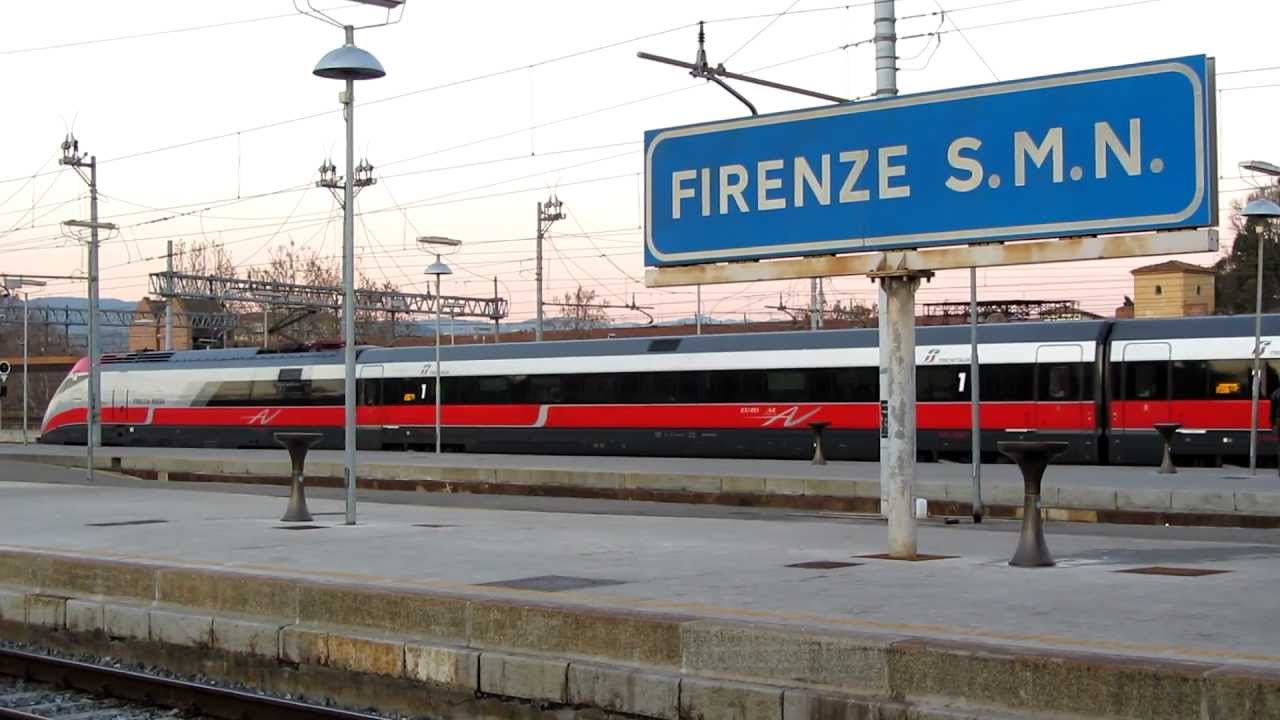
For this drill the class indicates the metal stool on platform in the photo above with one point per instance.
(297, 443)
(1166, 430)
(1032, 459)
(818, 457)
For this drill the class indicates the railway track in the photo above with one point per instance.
(40, 687)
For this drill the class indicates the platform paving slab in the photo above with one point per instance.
(712, 601)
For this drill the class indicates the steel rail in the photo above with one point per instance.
(153, 690)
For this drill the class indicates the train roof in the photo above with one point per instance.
(1068, 331)
(1082, 331)
(1209, 326)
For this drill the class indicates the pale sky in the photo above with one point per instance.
(488, 106)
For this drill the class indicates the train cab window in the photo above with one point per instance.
(1229, 379)
(786, 386)
(1060, 382)
(233, 392)
(1146, 380)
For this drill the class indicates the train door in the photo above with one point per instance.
(1144, 387)
(1060, 403)
(370, 411)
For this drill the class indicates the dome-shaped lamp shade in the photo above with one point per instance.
(438, 268)
(349, 63)
(1261, 207)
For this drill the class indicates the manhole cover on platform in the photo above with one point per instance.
(823, 565)
(1174, 571)
(300, 527)
(920, 557)
(552, 583)
(125, 522)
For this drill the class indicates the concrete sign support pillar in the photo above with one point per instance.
(886, 39)
(898, 413)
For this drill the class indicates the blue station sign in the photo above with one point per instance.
(1103, 151)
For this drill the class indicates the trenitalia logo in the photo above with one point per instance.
(263, 417)
(790, 417)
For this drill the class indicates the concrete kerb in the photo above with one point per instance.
(1100, 504)
(635, 661)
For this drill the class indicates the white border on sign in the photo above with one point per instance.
(919, 240)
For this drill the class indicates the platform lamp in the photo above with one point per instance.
(13, 284)
(1262, 209)
(435, 244)
(350, 63)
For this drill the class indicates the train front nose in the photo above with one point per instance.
(70, 396)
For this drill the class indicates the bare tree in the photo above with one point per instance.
(203, 257)
(580, 313)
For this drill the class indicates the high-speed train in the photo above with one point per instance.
(1100, 385)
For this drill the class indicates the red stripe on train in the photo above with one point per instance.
(851, 416)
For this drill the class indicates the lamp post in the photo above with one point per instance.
(439, 269)
(12, 284)
(1260, 208)
(349, 63)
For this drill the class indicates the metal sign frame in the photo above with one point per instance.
(1104, 247)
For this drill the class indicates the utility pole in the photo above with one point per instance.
(169, 301)
(886, 86)
(697, 317)
(548, 213)
(72, 156)
(497, 330)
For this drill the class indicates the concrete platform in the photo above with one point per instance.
(1194, 496)
(660, 616)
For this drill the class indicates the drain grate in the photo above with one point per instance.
(300, 527)
(433, 525)
(823, 565)
(552, 583)
(1174, 571)
(126, 522)
(920, 557)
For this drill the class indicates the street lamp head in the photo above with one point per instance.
(1261, 166)
(1261, 208)
(439, 240)
(349, 63)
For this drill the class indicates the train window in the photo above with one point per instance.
(409, 390)
(232, 392)
(487, 390)
(1229, 379)
(326, 392)
(751, 387)
(600, 388)
(720, 386)
(786, 386)
(369, 391)
(546, 389)
(1007, 383)
(942, 383)
(1146, 380)
(1189, 380)
(856, 384)
(1060, 382)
